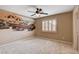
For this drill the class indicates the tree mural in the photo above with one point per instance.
(16, 23)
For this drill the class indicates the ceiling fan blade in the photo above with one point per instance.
(44, 13)
(31, 11)
(33, 14)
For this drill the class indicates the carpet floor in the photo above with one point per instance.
(35, 45)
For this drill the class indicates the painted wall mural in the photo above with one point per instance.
(16, 23)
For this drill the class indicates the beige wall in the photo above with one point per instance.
(64, 27)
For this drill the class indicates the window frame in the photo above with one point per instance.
(51, 25)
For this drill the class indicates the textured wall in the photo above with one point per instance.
(64, 27)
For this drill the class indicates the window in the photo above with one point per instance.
(49, 25)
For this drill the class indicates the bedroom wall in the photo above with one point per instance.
(4, 14)
(7, 35)
(64, 27)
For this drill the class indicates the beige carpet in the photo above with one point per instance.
(35, 46)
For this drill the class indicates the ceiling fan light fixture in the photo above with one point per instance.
(38, 12)
(38, 15)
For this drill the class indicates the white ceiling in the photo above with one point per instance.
(50, 9)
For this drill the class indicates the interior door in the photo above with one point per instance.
(75, 28)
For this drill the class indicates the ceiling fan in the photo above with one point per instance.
(38, 11)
